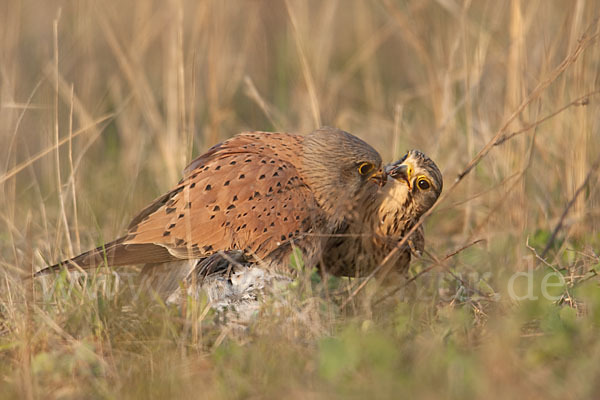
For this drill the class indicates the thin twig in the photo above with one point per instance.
(541, 258)
(580, 101)
(105, 118)
(568, 207)
(308, 78)
(437, 262)
(584, 42)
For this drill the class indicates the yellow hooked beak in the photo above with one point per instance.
(403, 172)
(379, 177)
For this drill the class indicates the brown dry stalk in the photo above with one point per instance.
(584, 42)
(308, 78)
(568, 207)
(105, 118)
(437, 262)
(580, 101)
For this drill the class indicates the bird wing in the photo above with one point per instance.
(243, 194)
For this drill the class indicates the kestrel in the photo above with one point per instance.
(364, 241)
(256, 193)
(245, 205)
(367, 236)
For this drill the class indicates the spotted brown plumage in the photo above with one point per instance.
(256, 193)
(244, 194)
(367, 236)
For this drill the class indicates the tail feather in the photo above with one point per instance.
(114, 254)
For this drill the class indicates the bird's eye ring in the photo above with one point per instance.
(365, 168)
(423, 184)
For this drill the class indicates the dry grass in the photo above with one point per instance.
(103, 103)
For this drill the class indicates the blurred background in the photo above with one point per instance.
(103, 103)
(131, 91)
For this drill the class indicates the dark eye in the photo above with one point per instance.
(423, 184)
(365, 168)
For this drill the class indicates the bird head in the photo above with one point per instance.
(341, 169)
(416, 182)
